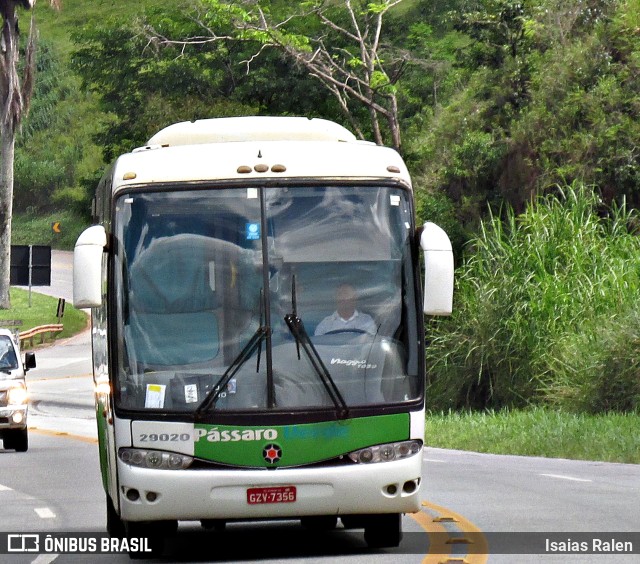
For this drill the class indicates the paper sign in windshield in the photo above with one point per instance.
(154, 398)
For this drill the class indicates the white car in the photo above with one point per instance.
(13, 392)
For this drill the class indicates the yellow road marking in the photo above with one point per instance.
(437, 545)
(441, 543)
(51, 378)
(64, 434)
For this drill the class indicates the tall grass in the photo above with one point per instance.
(542, 311)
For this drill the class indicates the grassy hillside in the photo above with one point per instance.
(57, 159)
(56, 26)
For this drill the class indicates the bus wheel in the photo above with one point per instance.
(155, 531)
(115, 526)
(383, 531)
(319, 522)
(353, 521)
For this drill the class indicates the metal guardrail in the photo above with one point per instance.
(41, 330)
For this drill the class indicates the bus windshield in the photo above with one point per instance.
(265, 298)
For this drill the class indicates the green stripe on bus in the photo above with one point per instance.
(296, 444)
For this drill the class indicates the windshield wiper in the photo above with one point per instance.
(210, 400)
(296, 326)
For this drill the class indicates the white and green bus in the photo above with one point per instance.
(257, 328)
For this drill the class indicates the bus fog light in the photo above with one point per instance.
(386, 452)
(410, 487)
(392, 489)
(151, 496)
(155, 459)
(133, 494)
(17, 417)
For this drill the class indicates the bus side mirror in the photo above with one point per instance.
(438, 270)
(87, 267)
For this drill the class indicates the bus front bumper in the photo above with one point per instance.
(387, 487)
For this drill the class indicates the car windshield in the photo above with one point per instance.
(8, 359)
(206, 280)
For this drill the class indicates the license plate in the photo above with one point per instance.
(273, 494)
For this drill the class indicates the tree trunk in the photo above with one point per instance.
(394, 124)
(7, 146)
(14, 103)
(10, 108)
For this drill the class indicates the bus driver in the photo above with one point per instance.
(346, 316)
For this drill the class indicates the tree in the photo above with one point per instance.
(15, 95)
(340, 45)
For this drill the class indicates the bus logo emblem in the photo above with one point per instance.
(272, 453)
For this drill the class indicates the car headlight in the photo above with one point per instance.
(17, 395)
(386, 452)
(156, 459)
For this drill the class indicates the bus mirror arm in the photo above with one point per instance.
(87, 267)
(438, 270)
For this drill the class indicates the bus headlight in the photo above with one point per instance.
(386, 452)
(156, 459)
(17, 395)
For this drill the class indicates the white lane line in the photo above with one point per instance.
(4, 488)
(45, 559)
(434, 460)
(44, 513)
(560, 477)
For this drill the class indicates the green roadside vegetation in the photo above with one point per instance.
(541, 356)
(42, 312)
(545, 312)
(33, 229)
(609, 437)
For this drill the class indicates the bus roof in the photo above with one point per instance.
(249, 149)
(250, 128)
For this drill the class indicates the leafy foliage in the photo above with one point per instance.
(178, 82)
(551, 87)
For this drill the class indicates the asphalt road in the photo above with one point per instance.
(487, 499)
(61, 277)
